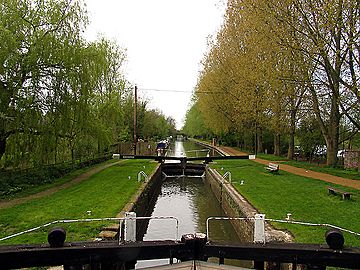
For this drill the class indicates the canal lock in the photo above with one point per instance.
(192, 194)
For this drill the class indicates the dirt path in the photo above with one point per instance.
(76, 180)
(300, 171)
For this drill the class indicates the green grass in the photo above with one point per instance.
(345, 173)
(55, 183)
(105, 194)
(270, 157)
(306, 199)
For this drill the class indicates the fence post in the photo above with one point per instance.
(130, 226)
(259, 228)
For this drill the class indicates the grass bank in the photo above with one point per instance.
(306, 199)
(17, 184)
(104, 194)
(345, 173)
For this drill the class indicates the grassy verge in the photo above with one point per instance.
(306, 199)
(104, 194)
(19, 184)
(345, 173)
(270, 157)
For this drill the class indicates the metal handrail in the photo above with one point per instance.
(142, 173)
(197, 151)
(201, 150)
(223, 218)
(280, 221)
(60, 221)
(228, 175)
(159, 217)
(313, 224)
(91, 220)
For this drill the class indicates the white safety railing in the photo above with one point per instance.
(227, 175)
(222, 218)
(199, 151)
(259, 225)
(142, 173)
(66, 221)
(60, 222)
(157, 218)
(313, 224)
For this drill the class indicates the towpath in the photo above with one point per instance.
(300, 171)
(50, 191)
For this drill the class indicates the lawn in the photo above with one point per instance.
(345, 173)
(270, 157)
(306, 199)
(104, 194)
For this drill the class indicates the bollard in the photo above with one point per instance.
(334, 239)
(259, 228)
(189, 241)
(56, 237)
(130, 226)
(200, 241)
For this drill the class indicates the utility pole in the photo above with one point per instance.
(135, 119)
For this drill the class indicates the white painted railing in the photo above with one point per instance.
(227, 175)
(142, 173)
(259, 225)
(66, 221)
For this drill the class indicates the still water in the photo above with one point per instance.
(191, 201)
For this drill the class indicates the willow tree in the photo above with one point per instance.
(37, 40)
(111, 92)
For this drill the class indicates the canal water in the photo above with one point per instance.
(191, 201)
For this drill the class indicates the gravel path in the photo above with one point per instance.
(300, 171)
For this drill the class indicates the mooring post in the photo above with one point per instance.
(130, 226)
(259, 228)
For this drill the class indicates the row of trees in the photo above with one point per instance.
(276, 66)
(62, 98)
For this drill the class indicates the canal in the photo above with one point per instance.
(190, 200)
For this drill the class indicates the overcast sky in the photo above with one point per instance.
(165, 42)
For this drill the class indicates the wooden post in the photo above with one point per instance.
(135, 118)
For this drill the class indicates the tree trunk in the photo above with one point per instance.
(260, 147)
(332, 142)
(277, 144)
(290, 154)
(2, 146)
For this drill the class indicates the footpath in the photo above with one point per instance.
(299, 171)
